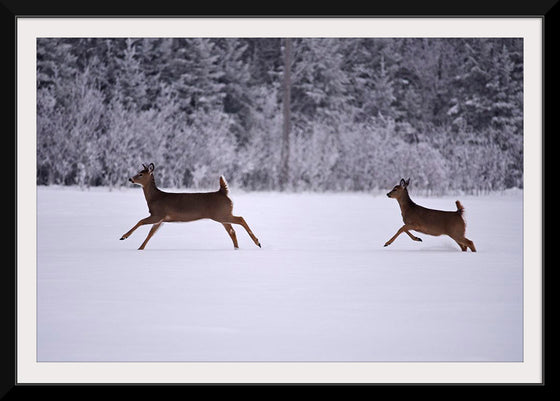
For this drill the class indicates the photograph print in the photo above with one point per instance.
(271, 199)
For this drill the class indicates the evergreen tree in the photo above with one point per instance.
(265, 60)
(56, 68)
(382, 96)
(236, 79)
(320, 83)
(198, 86)
(131, 87)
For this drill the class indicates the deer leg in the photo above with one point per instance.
(152, 232)
(231, 233)
(147, 220)
(412, 236)
(470, 244)
(401, 230)
(241, 221)
(465, 243)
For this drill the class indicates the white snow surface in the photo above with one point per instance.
(321, 289)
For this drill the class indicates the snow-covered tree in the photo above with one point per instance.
(130, 87)
(362, 110)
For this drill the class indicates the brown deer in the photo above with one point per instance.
(429, 221)
(183, 207)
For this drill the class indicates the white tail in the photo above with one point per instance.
(223, 185)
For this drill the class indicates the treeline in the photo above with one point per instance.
(364, 112)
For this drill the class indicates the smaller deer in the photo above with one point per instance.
(183, 207)
(429, 221)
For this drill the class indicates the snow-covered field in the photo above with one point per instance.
(322, 288)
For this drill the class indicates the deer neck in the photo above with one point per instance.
(405, 202)
(151, 191)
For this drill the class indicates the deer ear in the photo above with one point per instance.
(144, 166)
(151, 167)
(407, 182)
(403, 183)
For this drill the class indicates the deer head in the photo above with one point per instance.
(400, 189)
(144, 176)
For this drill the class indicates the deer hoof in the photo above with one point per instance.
(122, 238)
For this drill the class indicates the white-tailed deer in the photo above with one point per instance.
(183, 207)
(429, 221)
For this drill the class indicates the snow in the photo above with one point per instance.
(321, 289)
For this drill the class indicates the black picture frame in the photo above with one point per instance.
(11, 10)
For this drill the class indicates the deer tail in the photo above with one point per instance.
(460, 207)
(223, 185)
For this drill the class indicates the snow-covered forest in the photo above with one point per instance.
(300, 114)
